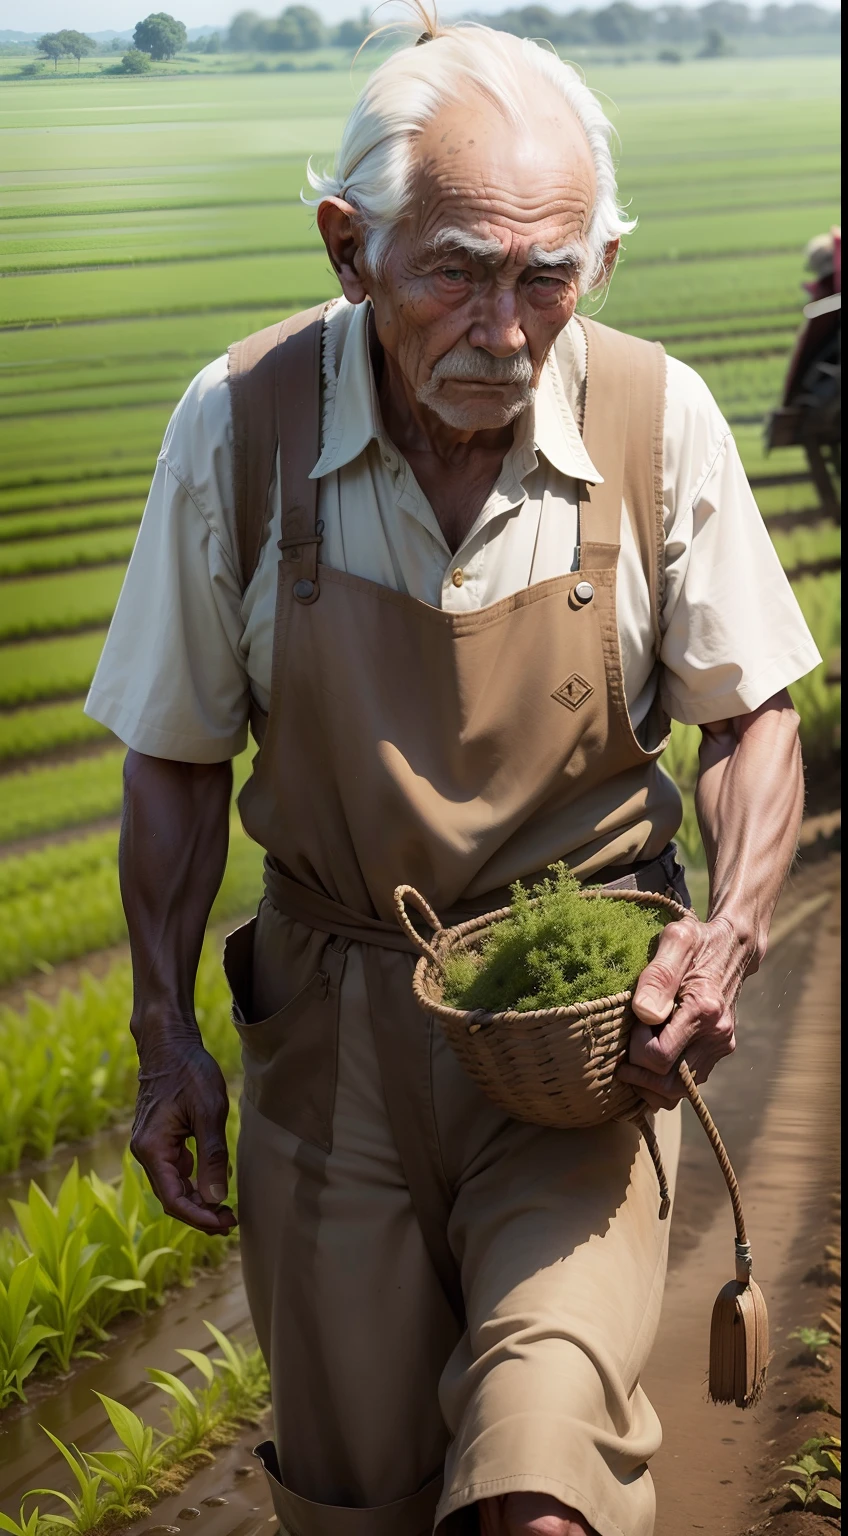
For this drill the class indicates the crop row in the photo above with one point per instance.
(48, 669)
(52, 604)
(47, 522)
(114, 1487)
(50, 798)
(42, 728)
(68, 1067)
(99, 1251)
(42, 927)
(50, 393)
(67, 551)
(640, 293)
(123, 349)
(73, 495)
(53, 797)
(118, 240)
(759, 180)
(79, 445)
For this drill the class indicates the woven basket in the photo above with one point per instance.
(552, 1066)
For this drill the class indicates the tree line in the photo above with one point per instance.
(299, 27)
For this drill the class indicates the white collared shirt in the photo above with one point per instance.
(186, 647)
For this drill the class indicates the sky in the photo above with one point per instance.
(118, 15)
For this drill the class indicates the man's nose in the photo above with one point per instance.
(497, 328)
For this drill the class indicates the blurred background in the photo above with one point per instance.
(150, 177)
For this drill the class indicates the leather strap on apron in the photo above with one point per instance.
(281, 364)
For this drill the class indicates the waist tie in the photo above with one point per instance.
(303, 905)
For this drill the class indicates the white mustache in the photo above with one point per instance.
(464, 362)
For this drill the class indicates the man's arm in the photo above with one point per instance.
(173, 851)
(749, 800)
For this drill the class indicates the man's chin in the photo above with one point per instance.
(477, 414)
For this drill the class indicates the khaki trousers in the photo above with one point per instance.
(389, 1418)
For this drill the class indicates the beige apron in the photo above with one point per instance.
(456, 752)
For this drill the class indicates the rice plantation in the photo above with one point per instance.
(145, 224)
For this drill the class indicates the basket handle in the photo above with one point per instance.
(404, 893)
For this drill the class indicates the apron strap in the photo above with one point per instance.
(623, 431)
(275, 388)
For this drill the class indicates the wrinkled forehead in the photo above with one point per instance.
(522, 183)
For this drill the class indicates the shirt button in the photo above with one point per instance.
(457, 578)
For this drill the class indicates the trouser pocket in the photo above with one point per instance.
(290, 1057)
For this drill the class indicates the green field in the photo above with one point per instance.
(145, 224)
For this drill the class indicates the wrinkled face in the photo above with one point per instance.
(482, 275)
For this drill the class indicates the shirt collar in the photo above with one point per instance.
(548, 425)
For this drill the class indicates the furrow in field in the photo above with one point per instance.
(53, 605)
(69, 551)
(47, 729)
(45, 523)
(48, 670)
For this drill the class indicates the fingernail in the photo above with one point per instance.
(218, 1191)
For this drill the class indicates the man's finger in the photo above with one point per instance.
(658, 1092)
(213, 1168)
(178, 1199)
(660, 981)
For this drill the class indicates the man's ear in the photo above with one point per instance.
(341, 233)
(611, 251)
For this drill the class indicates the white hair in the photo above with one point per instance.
(374, 166)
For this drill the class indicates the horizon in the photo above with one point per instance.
(39, 16)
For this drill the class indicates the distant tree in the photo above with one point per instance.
(296, 29)
(622, 22)
(715, 45)
(78, 45)
(725, 16)
(670, 56)
(213, 43)
(677, 23)
(52, 46)
(136, 62)
(242, 34)
(350, 34)
(160, 35)
(788, 20)
(575, 27)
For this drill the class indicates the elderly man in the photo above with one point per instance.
(459, 556)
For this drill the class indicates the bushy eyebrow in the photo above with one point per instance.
(489, 252)
(570, 256)
(449, 240)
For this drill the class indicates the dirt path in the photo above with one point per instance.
(776, 1105)
(778, 1110)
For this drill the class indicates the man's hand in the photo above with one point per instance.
(182, 1093)
(699, 967)
(749, 799)
(172, 855)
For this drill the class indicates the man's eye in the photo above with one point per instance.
(454, 274)
(548, 283)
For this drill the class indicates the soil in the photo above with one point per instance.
(777, 1108)
(776, 1104)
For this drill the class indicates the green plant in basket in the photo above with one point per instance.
(555, 948)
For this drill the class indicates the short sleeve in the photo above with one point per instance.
(171, 681)
(733, 633)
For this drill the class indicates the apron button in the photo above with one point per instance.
(304, 588)
(457, 578)
(584, 591)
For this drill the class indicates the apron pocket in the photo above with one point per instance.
(290, 1057)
